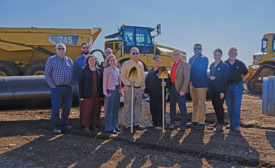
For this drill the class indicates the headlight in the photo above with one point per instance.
(257, 57)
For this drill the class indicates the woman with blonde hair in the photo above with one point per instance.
(112, 91)
(90, 92)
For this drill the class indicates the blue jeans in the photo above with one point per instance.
(112, 104)
(181, 100)
(233, 102)
(61, 97)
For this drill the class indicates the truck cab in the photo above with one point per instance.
(142, 38)
(267, 53)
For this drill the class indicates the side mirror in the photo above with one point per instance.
(159, 29)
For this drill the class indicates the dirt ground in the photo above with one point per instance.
(26, 140)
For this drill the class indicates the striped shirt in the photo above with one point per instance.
(59, 71)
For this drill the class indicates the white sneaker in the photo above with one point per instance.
(56, 131)
(158, 128)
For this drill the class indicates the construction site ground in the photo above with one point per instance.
(26, 140)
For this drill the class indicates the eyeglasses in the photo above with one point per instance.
(107, 52)
(85, 47)
(61, 48)
(135, 53)
(197, 48)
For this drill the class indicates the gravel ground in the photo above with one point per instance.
(26, 141)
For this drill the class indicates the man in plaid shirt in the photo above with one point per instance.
(59, 75)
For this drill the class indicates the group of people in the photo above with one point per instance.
(97, 83)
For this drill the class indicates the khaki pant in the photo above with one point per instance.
(137, 105)
(199, 107)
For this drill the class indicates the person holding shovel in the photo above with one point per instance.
(153, 86)
(137, 85)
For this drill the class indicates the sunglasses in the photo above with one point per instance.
(197, 48)
(61, 49)
(85, 47)
(135, 53)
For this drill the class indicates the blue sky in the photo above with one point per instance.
(213, 23)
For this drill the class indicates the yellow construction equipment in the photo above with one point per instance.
(24, 51)
(263, 64)
(142, 38)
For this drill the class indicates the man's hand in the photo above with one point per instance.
(212, 77)
(82, 99)
(163, 84)
(221, 95)
(132, 83)
(182, 93)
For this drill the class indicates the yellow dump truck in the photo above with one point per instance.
(263, 64)
(24, 51)
(143, 38)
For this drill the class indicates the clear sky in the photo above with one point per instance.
(213, 23)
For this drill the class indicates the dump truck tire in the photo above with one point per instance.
(254, 84)
(36, 68)
(8, 69)
(95, 51)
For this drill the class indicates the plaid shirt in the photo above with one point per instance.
(59, 71)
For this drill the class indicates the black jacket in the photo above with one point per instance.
(85, 82)
(153, 83)
(221, 77)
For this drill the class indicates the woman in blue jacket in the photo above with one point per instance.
(217, 88)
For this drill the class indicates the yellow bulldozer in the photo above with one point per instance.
(263, 64)
(24, 51)
(143, 38)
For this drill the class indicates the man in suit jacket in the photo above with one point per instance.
(180, 76)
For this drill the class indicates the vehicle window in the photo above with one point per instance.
(264, 45)
(274, 45)
(128, 36)
(143, 37)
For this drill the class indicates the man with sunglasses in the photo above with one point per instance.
(198, 86)
(59, 75)
(138, 85)
(108, 52)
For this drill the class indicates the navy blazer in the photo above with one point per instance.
(221, 77)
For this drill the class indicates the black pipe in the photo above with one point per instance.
(25, 92)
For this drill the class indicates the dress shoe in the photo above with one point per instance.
(182, 129)
(139, 127)
(56, 131)
(191, 124)
(199, 127)
(214, 124)
(158, 128)
(118, 129)
(218, 128)
(236, 129)
(112, 132)
(172, 127)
